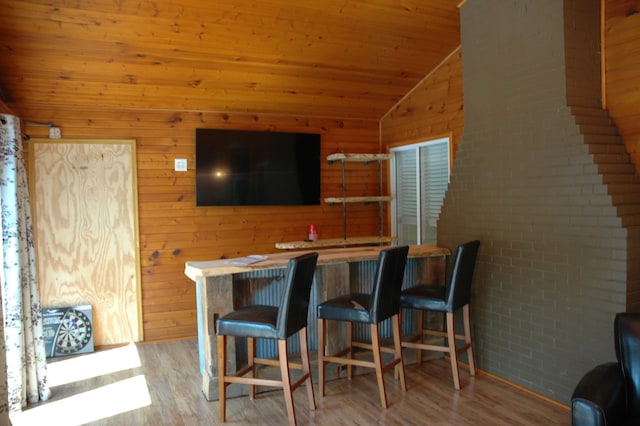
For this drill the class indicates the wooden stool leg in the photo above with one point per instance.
(286, 380)
(251, 347)
(306, 367)
(321, 353)
(377, 359)
(420, 320)
(350, 343)
(222, 363)
(396, 369)
(397, 344)
(453, 353)
(467, 339)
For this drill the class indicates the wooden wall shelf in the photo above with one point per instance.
(344, 200)
(359, 158)
(335, 242)
(367, 199)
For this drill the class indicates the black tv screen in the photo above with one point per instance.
(257, 168)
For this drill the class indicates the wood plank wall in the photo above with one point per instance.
(173, 230)
(4, 109)
(622, 35)
(433, 109)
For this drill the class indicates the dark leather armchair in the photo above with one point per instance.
(609, 394)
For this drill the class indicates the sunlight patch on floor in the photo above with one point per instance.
(97, 364)
(101, 403)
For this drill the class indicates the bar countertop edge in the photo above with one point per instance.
(198, 269)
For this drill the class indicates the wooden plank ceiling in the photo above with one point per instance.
(328, 58)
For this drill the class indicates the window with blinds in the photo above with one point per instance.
(420, 176)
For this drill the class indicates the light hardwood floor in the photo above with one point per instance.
(159, 384)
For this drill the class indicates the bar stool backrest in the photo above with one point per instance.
(459, 283)
(293, 312)
(387, 286)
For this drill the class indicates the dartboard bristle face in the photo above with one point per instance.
(74, 332)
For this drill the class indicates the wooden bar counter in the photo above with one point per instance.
(224, 285)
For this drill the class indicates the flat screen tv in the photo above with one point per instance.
(257, 168)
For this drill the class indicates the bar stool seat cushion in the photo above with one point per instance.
(257, 321)
(352, 307)
(426, 297)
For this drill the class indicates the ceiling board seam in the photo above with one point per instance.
(455, 51)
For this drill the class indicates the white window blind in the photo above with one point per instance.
(406, 196)
(421, 177)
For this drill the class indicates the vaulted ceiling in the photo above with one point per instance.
(330, 58)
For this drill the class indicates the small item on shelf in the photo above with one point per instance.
(313, 233)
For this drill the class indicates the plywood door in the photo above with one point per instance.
(85, 220)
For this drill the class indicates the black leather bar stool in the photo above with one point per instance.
(448, 299)
(271, 322)
(382, 303)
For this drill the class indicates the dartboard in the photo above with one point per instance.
(74, 332)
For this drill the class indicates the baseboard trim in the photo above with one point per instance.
(523, 389)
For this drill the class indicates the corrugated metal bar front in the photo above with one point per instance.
(266, 286)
